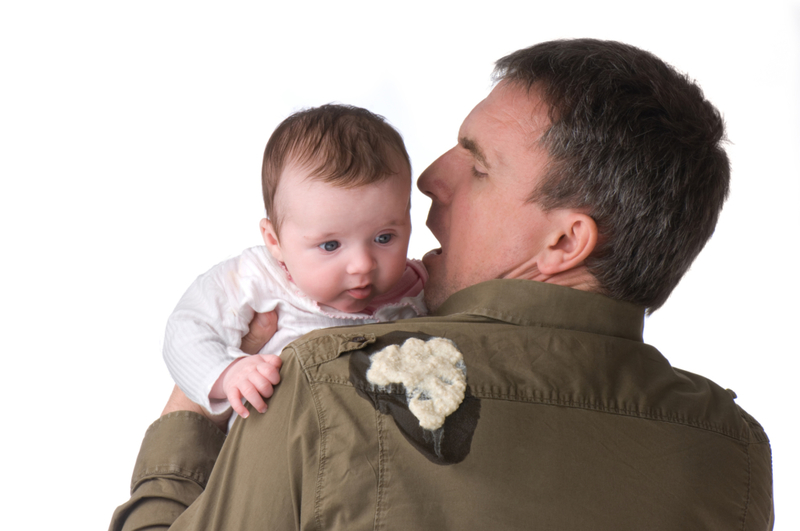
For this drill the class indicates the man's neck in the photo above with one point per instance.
(576, 278)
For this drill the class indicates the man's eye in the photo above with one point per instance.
(476, 173)
(329, 246)
(383, 238)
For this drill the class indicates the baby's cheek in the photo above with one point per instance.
(312, 285)
(396, 271)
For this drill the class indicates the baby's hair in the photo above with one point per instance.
(340, 145)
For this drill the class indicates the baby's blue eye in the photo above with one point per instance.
(329, 246)
(383, 238)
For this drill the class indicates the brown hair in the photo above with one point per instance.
(341, 145)
(636, 144)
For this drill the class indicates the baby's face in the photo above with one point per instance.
(342, 247)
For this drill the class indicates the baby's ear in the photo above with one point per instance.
(271, 239)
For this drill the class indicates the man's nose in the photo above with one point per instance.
(435, 181)
(361, 262)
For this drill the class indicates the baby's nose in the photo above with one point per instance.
(360, 263)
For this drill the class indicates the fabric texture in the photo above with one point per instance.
(205, 330)
(580, 426)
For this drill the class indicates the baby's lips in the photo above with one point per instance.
(360, 293)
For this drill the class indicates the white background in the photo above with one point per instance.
(130, 150)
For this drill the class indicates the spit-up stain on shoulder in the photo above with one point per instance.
(421, 381)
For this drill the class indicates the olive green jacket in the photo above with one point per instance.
(570, 422)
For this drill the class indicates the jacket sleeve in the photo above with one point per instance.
(264, 476)
(174, 463)
(760, 510)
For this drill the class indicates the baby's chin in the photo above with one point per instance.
(352, 306)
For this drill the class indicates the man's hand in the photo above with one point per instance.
(262, 328)
(251, 378)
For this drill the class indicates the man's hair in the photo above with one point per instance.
(636, 145)
(340, 145)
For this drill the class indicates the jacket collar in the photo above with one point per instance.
(532, 303)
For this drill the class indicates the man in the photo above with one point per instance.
(580, 191)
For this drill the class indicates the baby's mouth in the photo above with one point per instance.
(360, 293)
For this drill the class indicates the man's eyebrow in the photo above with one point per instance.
(471, 146)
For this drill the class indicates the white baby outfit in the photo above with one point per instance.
(206, 329)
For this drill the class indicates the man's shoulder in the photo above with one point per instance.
(700, 402)
(327, 344)
(549, 366)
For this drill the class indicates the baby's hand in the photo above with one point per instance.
(251, 377)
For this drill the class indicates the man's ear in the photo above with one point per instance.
(570, 244)
(271, 239)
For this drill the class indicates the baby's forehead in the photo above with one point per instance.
(309, 201)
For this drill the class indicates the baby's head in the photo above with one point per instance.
(337, 183)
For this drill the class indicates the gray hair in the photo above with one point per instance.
(634, 143)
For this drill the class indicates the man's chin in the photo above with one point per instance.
(439, 287)
(436, 292)
(432, 302)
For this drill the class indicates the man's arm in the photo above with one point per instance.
(173, 467)
(265, 473)
(178, 454)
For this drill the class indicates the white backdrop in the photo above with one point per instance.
(131, 138)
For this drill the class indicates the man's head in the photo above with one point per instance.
(612, 133)
(337, 183)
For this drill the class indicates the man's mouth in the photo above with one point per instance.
(360, 293)
(432, 252)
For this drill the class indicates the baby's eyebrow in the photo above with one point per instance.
(473, 147)
(320, 236)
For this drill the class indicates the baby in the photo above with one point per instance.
(337, 184)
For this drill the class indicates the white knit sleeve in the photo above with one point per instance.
(205, 330)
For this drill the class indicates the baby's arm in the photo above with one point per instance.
(205, 331)
(251, 377)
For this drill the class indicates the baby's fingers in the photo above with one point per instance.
(235, 398)
(270, 369)
(254, 388)
(262, 384)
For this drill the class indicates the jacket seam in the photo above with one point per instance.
(334, 380)
(167, 471)
(617, 411)
(323, 446)
(749, 484)
(381, 484)
(504, 317)
(567, 403)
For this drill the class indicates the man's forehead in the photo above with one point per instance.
(519, 107)
(510, 111)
